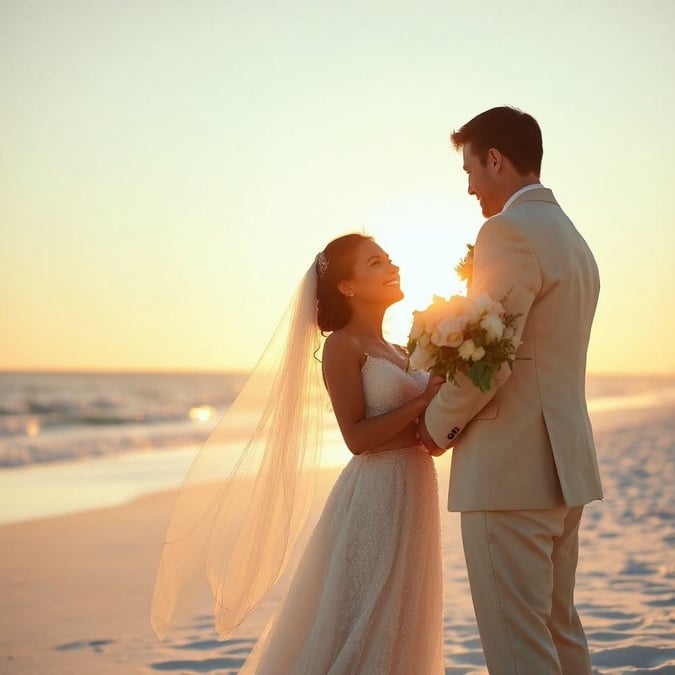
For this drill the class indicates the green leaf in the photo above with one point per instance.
(480, 374)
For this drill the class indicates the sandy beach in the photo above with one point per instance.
(76, 589)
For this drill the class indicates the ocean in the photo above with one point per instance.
(50, 417)
(73, 441)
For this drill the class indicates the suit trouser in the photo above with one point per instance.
(521, 568)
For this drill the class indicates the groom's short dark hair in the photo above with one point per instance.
(511, 131)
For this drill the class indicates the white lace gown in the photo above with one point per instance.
(367, 595)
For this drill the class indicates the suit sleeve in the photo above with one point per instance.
(504, 265)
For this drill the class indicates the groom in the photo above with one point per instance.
(524, 462)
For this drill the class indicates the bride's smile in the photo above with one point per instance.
(374, 279)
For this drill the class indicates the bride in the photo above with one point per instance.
(366, 595)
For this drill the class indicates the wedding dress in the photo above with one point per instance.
(366, 597)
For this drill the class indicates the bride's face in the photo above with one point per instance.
(375, 278)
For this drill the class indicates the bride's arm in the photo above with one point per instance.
(342, 372)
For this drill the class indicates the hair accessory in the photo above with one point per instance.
(321, 263)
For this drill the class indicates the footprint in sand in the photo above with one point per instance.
(196, 666)
(222, 657)
(95, 645)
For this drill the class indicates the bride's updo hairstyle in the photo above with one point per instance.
(334, 264)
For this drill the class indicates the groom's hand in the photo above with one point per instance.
(428, 442)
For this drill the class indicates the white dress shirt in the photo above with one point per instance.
(515, 195)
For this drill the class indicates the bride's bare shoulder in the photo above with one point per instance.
(342, 347)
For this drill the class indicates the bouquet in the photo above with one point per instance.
(469, 335)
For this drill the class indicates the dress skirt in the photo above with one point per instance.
(366, 597)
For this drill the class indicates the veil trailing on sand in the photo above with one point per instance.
(240, 511)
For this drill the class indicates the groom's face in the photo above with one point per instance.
(482, 182)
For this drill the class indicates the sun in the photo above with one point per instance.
(426, 235)
(420, 281)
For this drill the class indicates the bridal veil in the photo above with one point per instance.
(240, 511)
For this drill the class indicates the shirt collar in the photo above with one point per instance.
(523, 190)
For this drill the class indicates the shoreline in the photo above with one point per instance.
(54, 489)
(76, 588)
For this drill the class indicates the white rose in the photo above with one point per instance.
(477, 307)
(493, 327)
(434, 313)
(449, 332)
(478, 354)
(484, 303)
(421, 359)
(466, 349)
(497, 308)
(471, 312)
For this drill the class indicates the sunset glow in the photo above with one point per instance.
(168, 175)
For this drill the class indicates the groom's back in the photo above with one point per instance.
(562, 314)
(532, 446)
(556, 337)
(570, 281)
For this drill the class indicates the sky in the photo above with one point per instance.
(169, 170)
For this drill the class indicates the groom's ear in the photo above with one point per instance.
(494, 160)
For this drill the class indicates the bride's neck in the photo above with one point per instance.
(366, 324)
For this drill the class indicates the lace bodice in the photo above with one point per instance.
(387, 386)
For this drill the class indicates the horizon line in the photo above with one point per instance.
(243, 371)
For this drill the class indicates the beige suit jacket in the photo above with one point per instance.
(527, 443)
